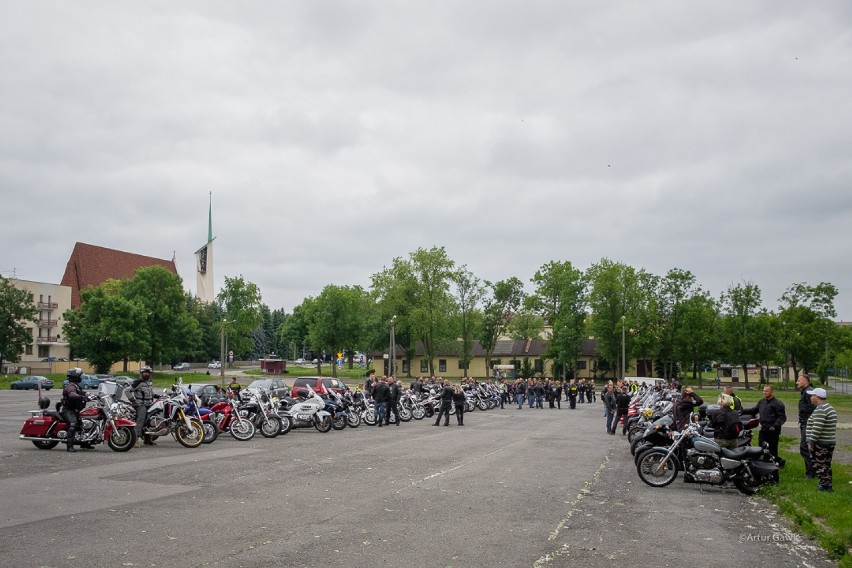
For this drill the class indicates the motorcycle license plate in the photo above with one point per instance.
(303, 416)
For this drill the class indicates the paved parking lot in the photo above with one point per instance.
(511, 488)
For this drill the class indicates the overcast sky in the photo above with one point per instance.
(709, 136)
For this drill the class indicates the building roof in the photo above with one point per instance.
(91, 265)
(503, 348)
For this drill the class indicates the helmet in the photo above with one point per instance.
(74, 374)
(145, 369)
(647, 413)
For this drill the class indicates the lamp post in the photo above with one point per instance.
(392, 350)
(623, 324)
(222, 351)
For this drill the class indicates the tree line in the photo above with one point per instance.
(670, 319)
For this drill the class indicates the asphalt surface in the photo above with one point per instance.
(510, 488)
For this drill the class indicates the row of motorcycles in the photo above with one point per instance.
(110, 415)
(661, 452)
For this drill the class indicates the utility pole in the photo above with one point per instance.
(623, 324)
(392, 351)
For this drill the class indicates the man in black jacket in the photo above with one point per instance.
(806, 408)
(622, 405)
(684, 407)
(381, 396)
(393, 399)
(772, 416)
(446, 397)
(610, 408)
(73, 401)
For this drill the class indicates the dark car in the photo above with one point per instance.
(181, 367)
(87, 382)
(273, 387)
(32, 382)
(207, 393)
(319, 384)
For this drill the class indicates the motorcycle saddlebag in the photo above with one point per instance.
(763, 470)
(36, 426)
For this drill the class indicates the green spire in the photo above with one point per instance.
(210, 220)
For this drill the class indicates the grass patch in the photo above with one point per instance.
(826, 517)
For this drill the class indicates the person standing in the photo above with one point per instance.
(772, 416)
(684, 407)
(806, 408)
(581, 391)
(610, 408)
(571, 391)
(736, 403)
(458, 402)
(622, 406)
(73, 401)
(143, 394)
(393, 400)
(590, 391)
(446, 397)
(557, 394)
(520, 393)
(726, 423)
(381, 396)
(822, 437)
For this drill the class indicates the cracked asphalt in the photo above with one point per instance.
(510, 488)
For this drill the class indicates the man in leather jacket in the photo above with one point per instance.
(393, 399)
(143, 392)
(772, 416)
(446, 397)
(806, 408)
(73, 401)
(381, 398)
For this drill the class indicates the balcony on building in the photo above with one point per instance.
(47, 323)
(48, 339)
(48, 305)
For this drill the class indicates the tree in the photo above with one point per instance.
(17, 309)
(240, 303)
(525, 325)
(674, 289)
(614, 300)
(338, 319)
(169, 327)
(500, 305)
(106, 326)
(807, 329)
(468, 293)
(560, 298)
(741, 304)
(697, 339)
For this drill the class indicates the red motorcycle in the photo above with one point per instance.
(99, 423)
(226, 414)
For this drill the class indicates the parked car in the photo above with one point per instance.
(207, 393)
(319, 384)
(87, 382)
(273, 387)
(181, 367)
(32, 382)
(214, 365)
(300, 361)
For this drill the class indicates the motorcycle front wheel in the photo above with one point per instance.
(339, 422)
(45, 444)
(190, 436)
(242, 429)
(270, 427)
(370, 417)
(286, 424)
(405, 414)
(323, 425)
(353, 419)
(418, 412)
(481, 405)
(122, 439)
(652, 471)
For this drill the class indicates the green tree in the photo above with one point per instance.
(525, 325)
(17, 309)
(294, 329)
(614, 299)
(170, 329)
(807, 329)
(468, 293)
(240, 303)
(560, 298)
(741, 305)
(338, 319)
(501, 302)
(106, 326)
(697, 339)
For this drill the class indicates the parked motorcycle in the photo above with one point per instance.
(99, 423)
(308, 410)
(703, 461)
(226, 414)
(257, 408)
(167, 416)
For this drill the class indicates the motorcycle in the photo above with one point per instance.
(98, 423)
(226, 415)
(203, 415)
(167, 416)
(257, 408)
(703, 461)
(306, 411)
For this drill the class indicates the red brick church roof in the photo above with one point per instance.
(92, 265)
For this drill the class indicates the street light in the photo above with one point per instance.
(623, 324)
(392, 350)
(222, 351)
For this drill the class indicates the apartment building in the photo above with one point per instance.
(52, 300)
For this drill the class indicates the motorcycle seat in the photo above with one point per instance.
(53, 414)
(742, 453)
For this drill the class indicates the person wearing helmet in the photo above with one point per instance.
(143, 390)
(73, 401)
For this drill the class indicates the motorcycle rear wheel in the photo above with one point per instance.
(45, 444)
(122, 439)
(286, 424)
(270, 427)
(748, 486)
(323, 424)
(649, 471)
(190, 436)
(242, 429)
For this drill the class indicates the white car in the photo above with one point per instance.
(214, 365)
(299, 362)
